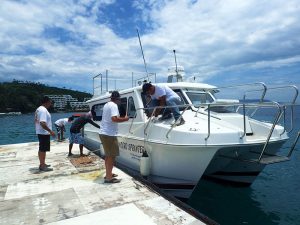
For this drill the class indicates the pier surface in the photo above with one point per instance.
(75, 192)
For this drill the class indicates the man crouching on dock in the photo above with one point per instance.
(43, 127)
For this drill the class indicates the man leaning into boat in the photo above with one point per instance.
(165, 96)
(108, 134)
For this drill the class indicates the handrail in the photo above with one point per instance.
(292, 119)
(277, 118)
(294, 98)
(135, 115)
(150, 119)
(94, 83)
(269, 104)
(263, 94)
(167, 135)
(292, 107)
(248, 84)
(293, 146)
(208, 122)
(284, 119)
(161, 107)
(104, 80)
(244, 120)
(209, 105)
(261, 98)
(271, 130)
(288, 86)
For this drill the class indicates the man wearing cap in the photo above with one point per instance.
(165, 96)
(75, 134)
(108, 134)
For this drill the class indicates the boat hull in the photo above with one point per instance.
(236, 164)
(174, 168)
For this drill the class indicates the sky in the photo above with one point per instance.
(220, 42)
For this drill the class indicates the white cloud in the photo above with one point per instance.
(210, 37)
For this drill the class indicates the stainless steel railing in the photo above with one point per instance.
(208, 112)
(107, 81)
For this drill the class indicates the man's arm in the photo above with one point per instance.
(118, 119)
(93, 123)
(45, 127)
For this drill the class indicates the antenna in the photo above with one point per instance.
(176, 65)
(143, 54)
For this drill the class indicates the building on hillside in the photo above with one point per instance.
(86, 99)
(63, 102)
(79, 106)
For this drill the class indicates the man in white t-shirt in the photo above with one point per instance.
(165, 96)
(60, 127)
(43, 127)
(108, 134)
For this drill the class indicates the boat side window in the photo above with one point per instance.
(183, 101)
(198, 98)
(97, 111)
(131, 113)
(123, 107)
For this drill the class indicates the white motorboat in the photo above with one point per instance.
(219, 139)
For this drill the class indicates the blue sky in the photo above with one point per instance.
(221, 42)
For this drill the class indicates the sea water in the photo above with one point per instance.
(273, 198)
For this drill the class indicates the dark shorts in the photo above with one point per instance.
(110, 145)
(44, 143)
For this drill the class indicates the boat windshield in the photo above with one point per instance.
(198, 98)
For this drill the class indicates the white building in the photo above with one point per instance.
(61, 102)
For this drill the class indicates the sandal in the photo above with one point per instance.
(45, 169)
(112, 181)
(113, 175)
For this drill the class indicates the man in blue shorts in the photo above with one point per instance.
(75, 134)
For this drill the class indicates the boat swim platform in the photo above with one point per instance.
(75, 192)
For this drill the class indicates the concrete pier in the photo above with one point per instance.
(75, 192)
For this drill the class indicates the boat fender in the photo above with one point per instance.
(145, 164)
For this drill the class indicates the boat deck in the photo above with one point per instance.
(75, 192)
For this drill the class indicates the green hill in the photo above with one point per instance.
(20, 96)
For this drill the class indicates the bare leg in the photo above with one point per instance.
(70, 148)
(81, 149)
(62, 134)
(42, 158)
(109, 164)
